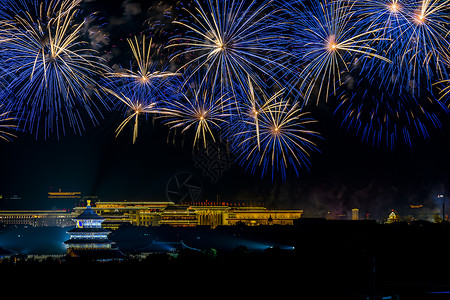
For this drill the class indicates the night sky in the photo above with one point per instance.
(346, 174)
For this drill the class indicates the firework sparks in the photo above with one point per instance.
(5, 125)
(382, 117)
(139, 90)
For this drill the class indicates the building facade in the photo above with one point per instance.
(115, 214)
(168, 213)
(262, 216)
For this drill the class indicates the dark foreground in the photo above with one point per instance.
(311, 260)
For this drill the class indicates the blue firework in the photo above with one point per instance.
(414, 36)
(324, 41)
(384, 117)
(52, 72)
(231, 40)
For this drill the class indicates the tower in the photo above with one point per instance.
(89, 239)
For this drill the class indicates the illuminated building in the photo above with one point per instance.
(262, 216)
(89, 238)
(392, 218)
(179, 215)
(36, 218)
(206, 214)
(124, 212)
(212, 215)
(355, 214)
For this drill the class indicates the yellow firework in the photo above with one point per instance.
(136, 108)
(197, 108)
(146, 68)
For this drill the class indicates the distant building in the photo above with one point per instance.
(392, 218)
(36, 218)
(355, 214)
(179, 215)
(64, 200)
(89, 239)
(125, 212)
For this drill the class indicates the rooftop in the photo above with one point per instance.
(88, 214)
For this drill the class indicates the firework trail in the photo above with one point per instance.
(6, 126)
(9, 8)
(53, 71)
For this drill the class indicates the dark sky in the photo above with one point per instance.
(346, 174)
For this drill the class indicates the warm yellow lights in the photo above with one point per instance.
(220, 46)
(420, 18)
(331, 43)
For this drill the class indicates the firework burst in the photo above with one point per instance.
(136, 106)
(147, 78)
(53, 71)
(324, 41)
(381, 116)
(279, 142)
(427, 50)
(414, 36)
(197, 107)
(233, 40)
(140, 90)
